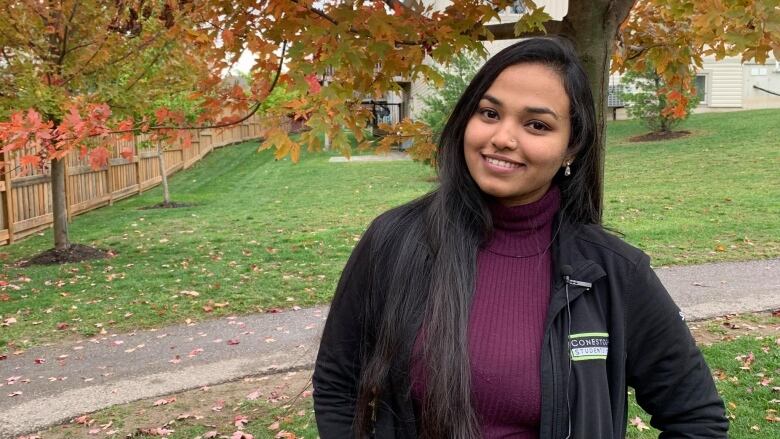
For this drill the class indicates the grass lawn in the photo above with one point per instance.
(279, 404)
(712, 196)
(263, 234)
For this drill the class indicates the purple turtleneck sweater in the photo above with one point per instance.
(506, 322)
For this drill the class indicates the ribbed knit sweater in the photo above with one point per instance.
(506, 322)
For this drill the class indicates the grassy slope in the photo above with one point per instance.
(267, 234)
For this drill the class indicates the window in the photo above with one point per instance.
(518, 7)
(701, 89)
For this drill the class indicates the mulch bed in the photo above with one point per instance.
(76, 253)
(664, 135)
(171, 205)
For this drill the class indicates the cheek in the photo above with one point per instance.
(474, 134)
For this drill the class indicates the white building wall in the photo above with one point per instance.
(724, 82)
(765, 76)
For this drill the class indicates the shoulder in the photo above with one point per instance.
(400, 222)
(598, 243)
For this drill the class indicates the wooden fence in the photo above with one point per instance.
(25, 201)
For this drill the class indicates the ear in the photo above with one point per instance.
(568, 160)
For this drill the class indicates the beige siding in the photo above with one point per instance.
(725, 82)
(420, 89)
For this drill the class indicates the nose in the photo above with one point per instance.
(504, 137)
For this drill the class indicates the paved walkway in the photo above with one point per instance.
(85, 376)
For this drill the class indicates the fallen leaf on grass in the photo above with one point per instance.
(164, 401)
(62, 326)
(219, 405)
(771, 416)
(241, 435)
(747, 360)
(39, 360)
(17, 393)
(639, 424)
(254, 395)
(9, 321)
(240, 421)
(285, 435)
(274, 426)
(175, 360)
(233, 342)
(189, 293)
(155, 431)
(210, 434)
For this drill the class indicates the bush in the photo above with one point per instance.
(646, 100)
(457, 76)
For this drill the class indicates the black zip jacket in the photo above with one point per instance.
(621, 330)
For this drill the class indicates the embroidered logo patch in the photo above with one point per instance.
(589, 346)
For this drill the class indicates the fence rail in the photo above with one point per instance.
(25, 194)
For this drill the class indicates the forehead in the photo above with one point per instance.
(530, 85)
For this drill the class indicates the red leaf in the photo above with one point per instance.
(162, 114)
(314, 85)
(227, 37)
(39, 360)
(233, 341)
(32, 160)
(98, 157)
(127, 154)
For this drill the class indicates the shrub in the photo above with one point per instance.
(439, 104)
(646, 100)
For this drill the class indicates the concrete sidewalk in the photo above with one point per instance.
(60, 382)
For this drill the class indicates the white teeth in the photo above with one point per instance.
(502, 163)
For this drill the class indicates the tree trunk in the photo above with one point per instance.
(59, 205)
(161, 162)
(593, 26)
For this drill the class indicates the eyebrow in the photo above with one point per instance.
(534, 110)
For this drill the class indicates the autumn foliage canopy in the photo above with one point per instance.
(72, 70)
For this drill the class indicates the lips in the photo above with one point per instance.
(501, 163)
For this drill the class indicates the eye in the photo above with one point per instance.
(538, 125)
(488, 113)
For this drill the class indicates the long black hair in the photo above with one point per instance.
(434, 261)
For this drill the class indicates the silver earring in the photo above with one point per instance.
(567, 171)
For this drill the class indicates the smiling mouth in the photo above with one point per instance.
(502, 163)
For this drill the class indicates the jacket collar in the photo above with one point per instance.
(567, 252)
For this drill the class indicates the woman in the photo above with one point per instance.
(496, 306)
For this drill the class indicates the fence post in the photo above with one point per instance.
(137, 159)
(9, 204)
(109, 182)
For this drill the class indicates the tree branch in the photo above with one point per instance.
(506, 31)
(64, 46)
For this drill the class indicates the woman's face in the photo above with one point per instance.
(516, 140)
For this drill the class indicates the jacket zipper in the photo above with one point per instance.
(555, 385)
